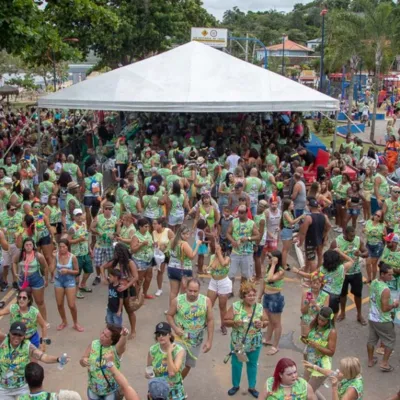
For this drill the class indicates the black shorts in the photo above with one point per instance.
(341, 202)
(131, 292)
(44, 241)
(91, 201)
(356, 283)
(58, 227)
(176, 274)
(311, 252)
(334, 302)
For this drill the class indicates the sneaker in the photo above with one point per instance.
(4, 286)
(361, 221)
(158, 293)
(96, 281)
(15, 285)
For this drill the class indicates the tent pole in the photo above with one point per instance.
(335, 131)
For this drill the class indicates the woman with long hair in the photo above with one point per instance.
(203, 182)
(375, 231)
(273, 300)
(54, 215)
(367, 190)
(341, 198)
(24, 311)
(348, 384)
(142, 254)
(320, 346)
(288, 222)
(162, 237)
(27, 198)
(286, 384)
(44, 233)
(129, 278)
(32, 270)
(152, 202)
(62, 184)
(226, 187)
(16, 195)
(166, 356)
(353, 203)
(176, 202)
(246, 318)
(180, 263)
(65, 268)
(27, 231)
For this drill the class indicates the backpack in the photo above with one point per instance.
(94, 186)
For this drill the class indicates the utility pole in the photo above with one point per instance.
(321, 71)
(283, 54)
(247, 48)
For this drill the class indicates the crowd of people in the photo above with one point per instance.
(211, 196)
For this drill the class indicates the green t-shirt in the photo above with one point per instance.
(218, 271)
(392, 214)
(383, 189)
(356, 383)
(39, 396)
(312, 310)
(254, 335)
(126, 232)
(349, 248)
(29, 318)
(52, 175)
(55, 214)
(120, 194)
(334, 279)
(11, 224)
(93, 185)
(341, 191)
(45, 189)
(192, 318)
(253, 187)
(152, 209)
(145, 253)
(374, 233)
(130, 202)
(121, 154)
(79, 231)
(242, 230)
(177, 205)
(106, 229)
(298, 390)
(375, 302)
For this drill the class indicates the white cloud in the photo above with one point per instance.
(218, 7)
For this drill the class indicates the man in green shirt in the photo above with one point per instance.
(381, 326)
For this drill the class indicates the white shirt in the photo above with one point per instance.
(233, 160)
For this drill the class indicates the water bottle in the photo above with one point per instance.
(327, 381)
(62, 361)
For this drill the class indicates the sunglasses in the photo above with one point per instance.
(109, 208)
(158, 334)
(22, 298)
(36, 207)
(13, 209)
(396, 192)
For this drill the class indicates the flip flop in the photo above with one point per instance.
(272, 351)
(374, 361)
(78, 328)
(362, 321)
(265, 343)
(390, 369)
(61, 326)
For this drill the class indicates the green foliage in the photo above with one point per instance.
(26, 82)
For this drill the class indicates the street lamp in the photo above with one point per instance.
(53, 59)
(321, 71)
(283, 54)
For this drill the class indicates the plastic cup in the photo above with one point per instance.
(150, 372)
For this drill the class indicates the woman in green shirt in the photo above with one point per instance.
(142, 250)
(348, 383)
(122, 157)
(341, 196)
(177, 203)
(53, 213)
(375, 231)
(367, 190)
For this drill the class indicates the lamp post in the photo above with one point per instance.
(53, 59)
(321, 72)
(283, 54)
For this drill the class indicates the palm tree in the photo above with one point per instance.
(345, 47)
(382, 29)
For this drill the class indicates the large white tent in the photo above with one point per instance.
(190, 78)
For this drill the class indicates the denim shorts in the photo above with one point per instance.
(353, 211)
(374, 250)
(142, 265)
(35, 339)
(286, 234)
(64, 281)
(176, 274)
(44, 241)
(35, 280)
(259, 250)
(274, 303)
(113, 319)
(62, 204)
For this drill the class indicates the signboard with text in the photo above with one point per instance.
(211, 36)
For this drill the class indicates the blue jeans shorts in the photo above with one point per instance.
(141, 265)
(286, 234)
(35, 281)
(35, 339)
(176, 274)
(64, 281)
(113, 319)
(374, 250)
(274, 303)
(62, 204)
(353, 211)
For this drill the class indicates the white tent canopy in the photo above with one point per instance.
(191, 78)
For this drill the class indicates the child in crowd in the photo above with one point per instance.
(115, 299)
(223, 226)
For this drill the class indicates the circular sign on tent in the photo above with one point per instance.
(213, 33)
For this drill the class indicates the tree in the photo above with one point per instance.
(346, 31)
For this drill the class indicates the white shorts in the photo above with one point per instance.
(223, 286)
(9, 255)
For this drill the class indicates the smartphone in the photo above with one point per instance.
(309, 296)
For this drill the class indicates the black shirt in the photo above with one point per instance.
(113, 298)
(315, 231)
(308, 158)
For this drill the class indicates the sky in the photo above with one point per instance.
(218, 7)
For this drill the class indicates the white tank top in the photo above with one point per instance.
(273, 221)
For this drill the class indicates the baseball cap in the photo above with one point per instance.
(77, 211)
(392, 237)
(18, 327)
(163, 327)
(7, 180)
(312, 202)
(158, 389)
(263, 203)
